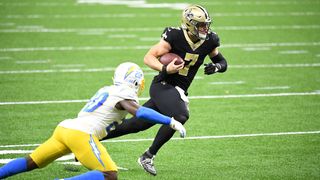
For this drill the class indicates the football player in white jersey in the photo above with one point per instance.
(81, 135)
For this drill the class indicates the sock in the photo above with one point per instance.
(92, 175)
(13, 167)
(164, 134)
(148, 154)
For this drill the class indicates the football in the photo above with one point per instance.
(167, 58)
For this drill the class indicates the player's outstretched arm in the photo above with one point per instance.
(151, 115)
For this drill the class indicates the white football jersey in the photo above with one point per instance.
(100, 115)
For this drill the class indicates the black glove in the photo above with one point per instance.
(211, 68)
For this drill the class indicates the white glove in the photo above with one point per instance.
(176, 125)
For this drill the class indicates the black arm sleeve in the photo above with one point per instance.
(220, 60)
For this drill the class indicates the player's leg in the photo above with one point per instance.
(169, 102)
(15, 166)
(92, 154)
(132, 125)
(40, 157)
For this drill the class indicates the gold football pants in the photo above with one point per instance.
(87, 149)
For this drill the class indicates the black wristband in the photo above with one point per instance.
(164, 69)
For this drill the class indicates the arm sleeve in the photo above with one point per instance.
(219, 60)
(152, 116)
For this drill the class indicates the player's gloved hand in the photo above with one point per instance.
(176, 125)
(211, 68)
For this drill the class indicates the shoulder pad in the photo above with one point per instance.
(170, 32)
(214, 38)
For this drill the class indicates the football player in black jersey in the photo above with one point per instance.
(193, 41)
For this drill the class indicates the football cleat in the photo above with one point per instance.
(147, 164)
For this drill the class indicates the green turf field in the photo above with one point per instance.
(259, 120)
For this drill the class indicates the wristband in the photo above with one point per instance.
(164, 69)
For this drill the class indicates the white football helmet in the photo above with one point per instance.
(196, 20)
(131, 75)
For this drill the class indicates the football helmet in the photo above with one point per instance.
(196, 20)
(131, 75)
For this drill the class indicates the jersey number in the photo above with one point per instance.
(189, 57)
(96, 101)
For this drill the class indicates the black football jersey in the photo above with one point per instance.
(192, 53)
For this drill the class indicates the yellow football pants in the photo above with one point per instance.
(87, 148)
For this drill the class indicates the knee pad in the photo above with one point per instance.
(181, 118)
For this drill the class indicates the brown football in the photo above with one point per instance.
(167, 58)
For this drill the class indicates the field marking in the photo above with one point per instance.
(189, 138)
(190, 97)
(259, 3)
(111, 69)
(294, 52)
(272, 87)
(7, 24)
(136, 4)
(68, 65)
(73, 70)
(234, 82)
(5, 58)
(146, 15)
(274, 65)
(236, 3)
(15, 151)
(33, 62)
(257, 49)
(101, 31)
(145, 47)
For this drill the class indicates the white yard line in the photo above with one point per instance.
(255, 95)
(187, 138)
(260, 3)
(272, 87)
(205, 3)
(15, 151)
(293, 52)
(40, 29)
(274, 65)
(68, 65)
(5, 58)
(154, 15)
(234, 82)
(190, 97)
(257, 49)
(73, 70)
(111, 69)
(33, 62)
(144, 47)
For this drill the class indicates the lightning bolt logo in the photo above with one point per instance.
(131, 69)
(95, 150)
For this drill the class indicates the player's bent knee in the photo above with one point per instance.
(31, 164)
(181, 118)
(110, 175)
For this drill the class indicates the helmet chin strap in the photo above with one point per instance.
(194, 38)
(202, 36)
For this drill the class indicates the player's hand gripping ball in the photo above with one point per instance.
(167, 58)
